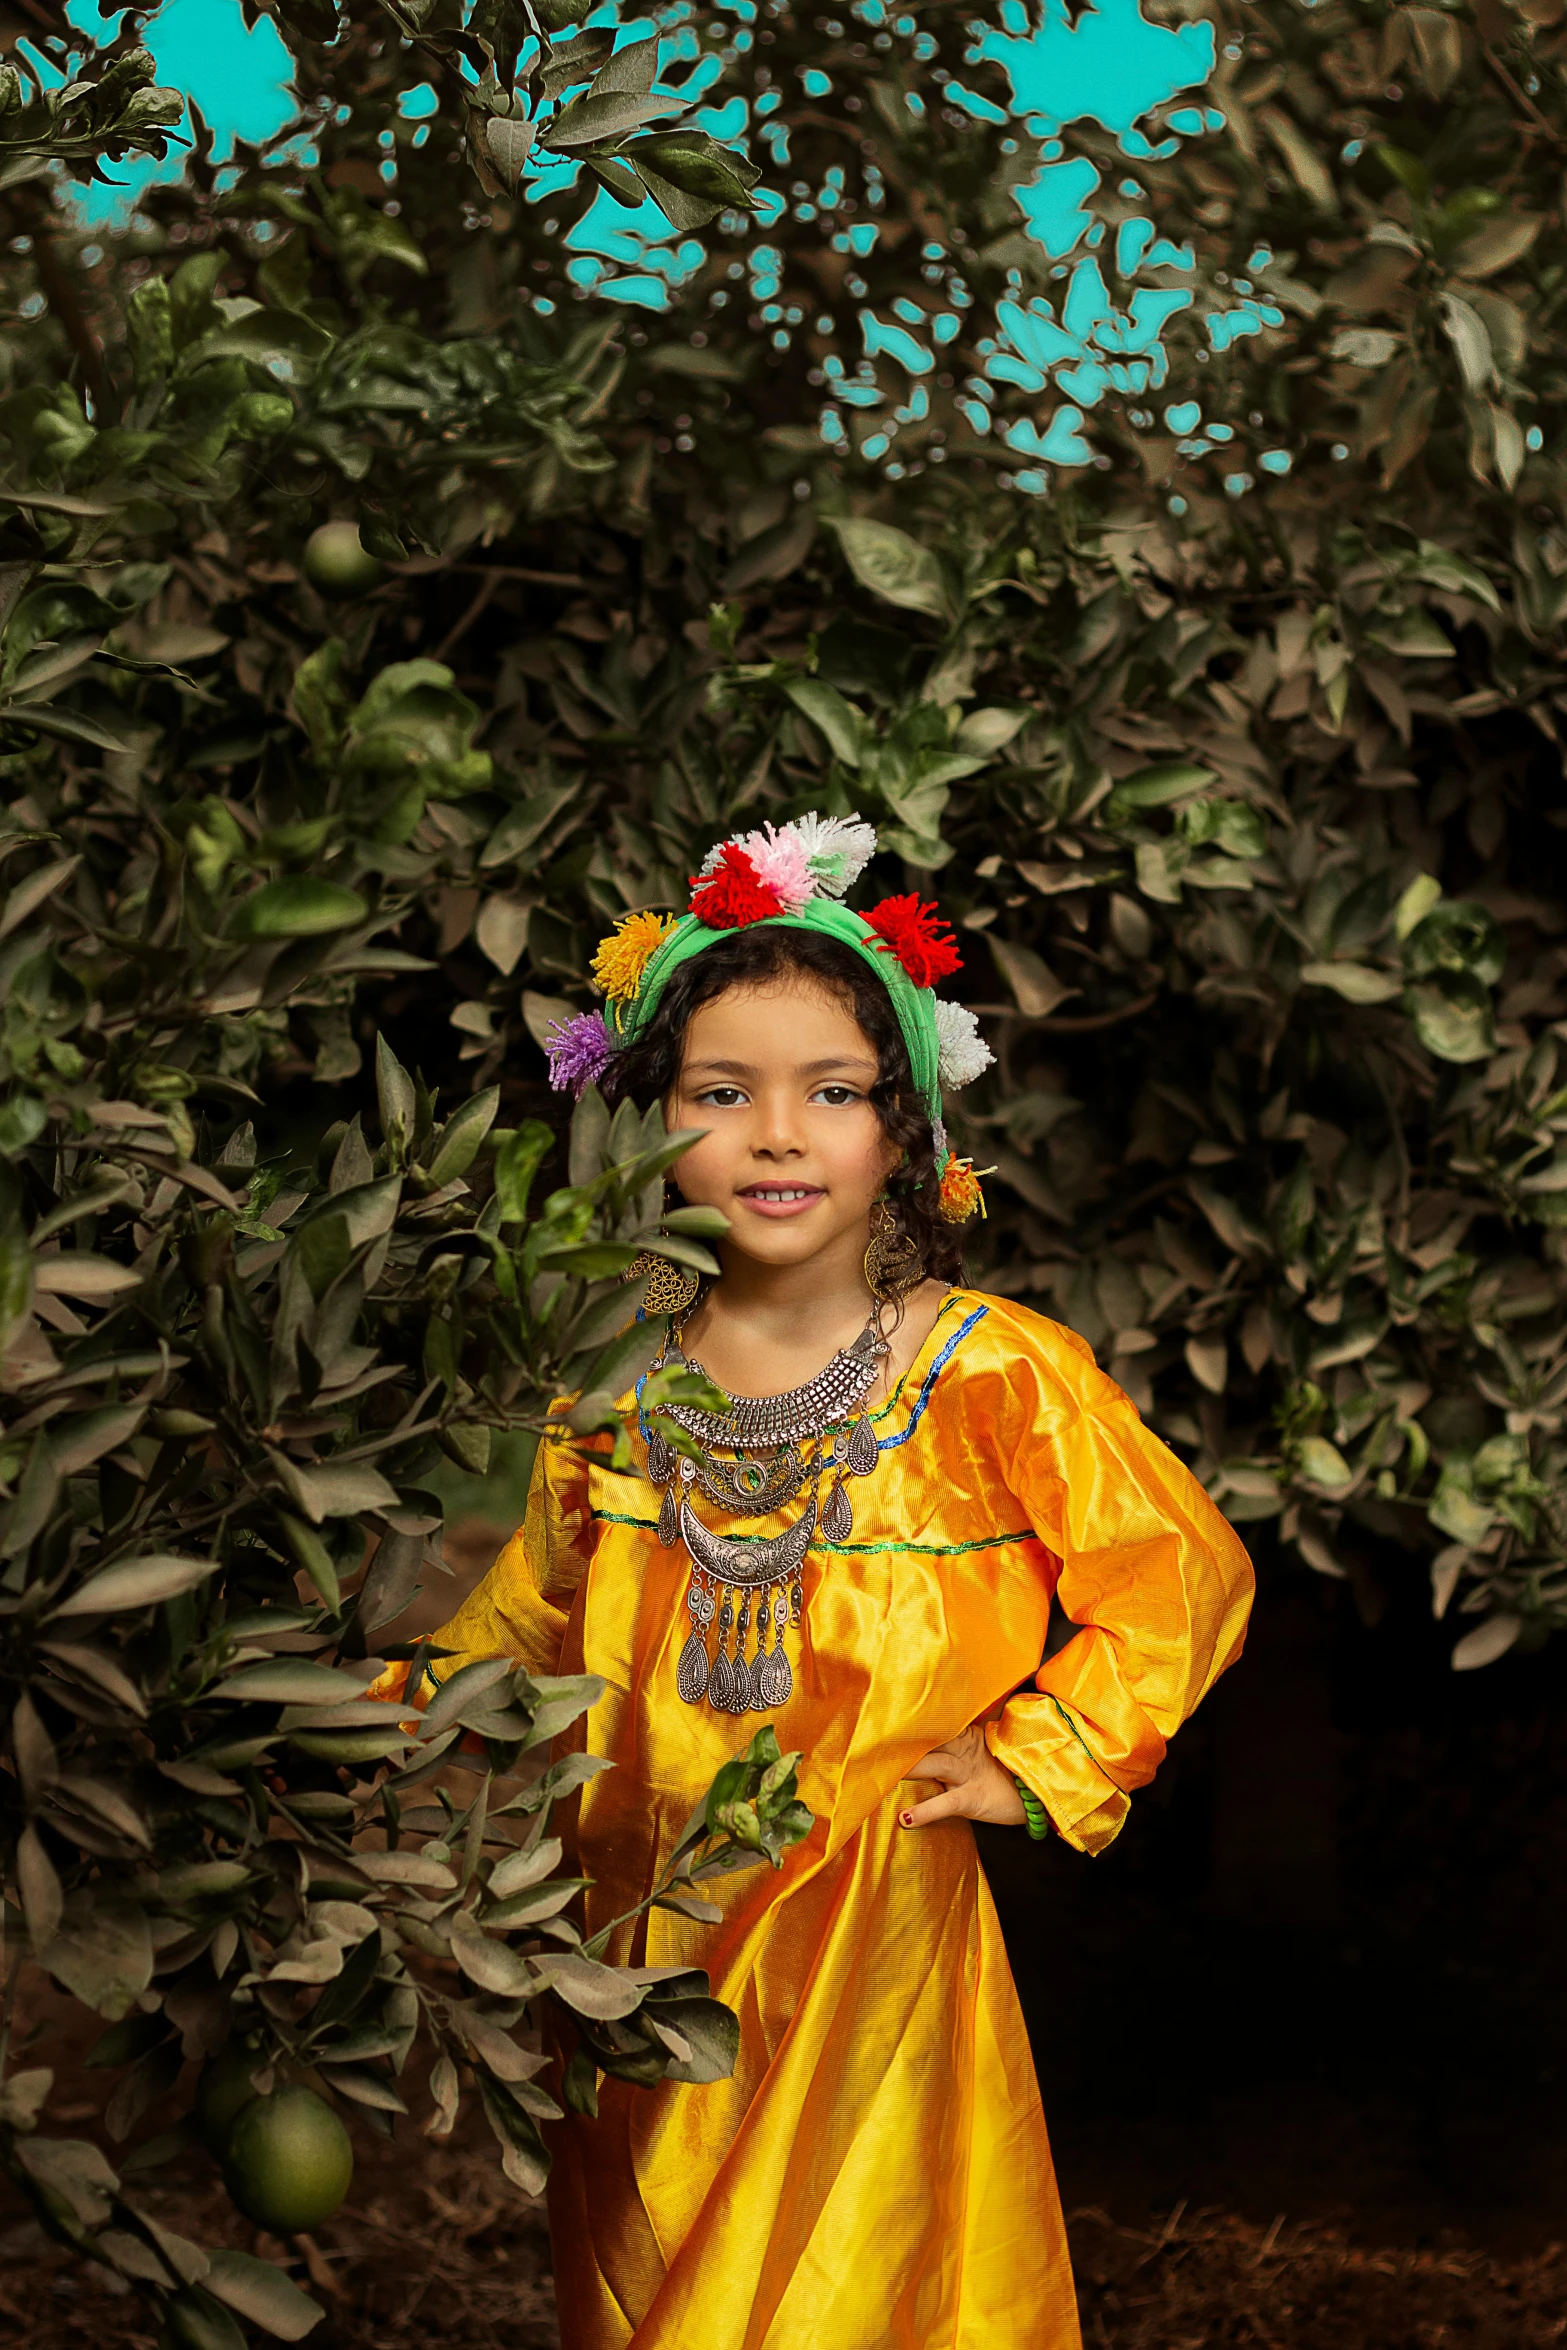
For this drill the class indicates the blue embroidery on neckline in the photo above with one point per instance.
(890, 1443)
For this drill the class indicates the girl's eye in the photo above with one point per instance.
(722, 1097)
(837, 1096)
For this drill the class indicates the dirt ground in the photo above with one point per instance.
(439, 2250)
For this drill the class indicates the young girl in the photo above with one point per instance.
(865, 1556)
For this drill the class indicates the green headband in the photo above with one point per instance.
(915, 1006)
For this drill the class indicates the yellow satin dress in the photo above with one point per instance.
(876, 2174)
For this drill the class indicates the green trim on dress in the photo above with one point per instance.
(929, 1550)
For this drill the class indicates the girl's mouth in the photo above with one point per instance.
(781, 1199)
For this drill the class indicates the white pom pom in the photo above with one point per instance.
(964, 1054)
(837, 849)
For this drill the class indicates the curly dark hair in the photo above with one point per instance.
(646, 1071)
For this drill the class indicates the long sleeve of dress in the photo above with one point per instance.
(521, 1607)
(1149, 1568)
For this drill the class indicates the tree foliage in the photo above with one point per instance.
(1178, 773)
(1241, 781)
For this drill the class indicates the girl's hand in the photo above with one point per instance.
(977, 1788)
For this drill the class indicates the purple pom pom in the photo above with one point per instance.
(579, 1052)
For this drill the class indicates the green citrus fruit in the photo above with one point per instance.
(222, 2094)
(338, 563)
(289, 2161)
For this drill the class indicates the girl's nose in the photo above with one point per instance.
(779, 1130)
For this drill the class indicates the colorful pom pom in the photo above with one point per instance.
(732, 893)
(779, 861)
(961, 1196)
(837, 849)
(625, 954)
(579, 1051)
(913, 932)
(963, 1052)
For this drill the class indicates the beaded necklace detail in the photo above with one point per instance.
(804, 1436)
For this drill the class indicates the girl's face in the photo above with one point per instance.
(781, 1075)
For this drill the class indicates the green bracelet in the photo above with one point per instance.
(1035, 1817)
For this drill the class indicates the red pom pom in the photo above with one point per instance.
(733, 895)
(914, 933)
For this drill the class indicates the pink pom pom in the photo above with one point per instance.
(782, 865)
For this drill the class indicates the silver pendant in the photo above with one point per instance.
(762, 1559)
(658, 1458)
(838, 1516)
(721, 1683)
(774, 1680)
(669, 1519)
(692, 1672)
(863, 1450)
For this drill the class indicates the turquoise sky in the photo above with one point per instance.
(237, 77)
(1111, 66)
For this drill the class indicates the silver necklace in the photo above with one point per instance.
(811, 1431)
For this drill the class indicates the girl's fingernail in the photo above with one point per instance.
(907, 1818)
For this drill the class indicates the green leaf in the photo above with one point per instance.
(522, 826)
(489, 1963)
(1466, 331)
(289, 1680)
(508, 142)
(1414, 634)
(985, 732)
(23, 2097)
(827, 710)
(1417, 901)
(708, 365)
(197, 2322)
(262, 335)
(297, 906)
(520, 1870)
(66, 725)
(1486, 1642)
(1157, 787)
(22, 1119)
(135, 1583)
(1364, 346)
(892, 565)
(1406, 169)
(1457, 936)
(696, 1223)
(102, 1951)
(1357, 983)
(602, 1992)
(691, 178)
(1452, 1016)
(591, 118)
(460, 1689)
(458, 1143)
(1034, 985)
(262, 2294)
(335, 1489)
(312, 1554)
(1321, 1463)
(73, 1273)
(710, 2030)
(1497, 244)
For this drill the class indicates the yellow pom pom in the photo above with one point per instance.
(624, 955)
(961, 1196)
